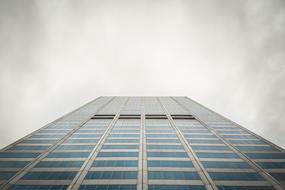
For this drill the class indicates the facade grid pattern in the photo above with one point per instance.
(142, 143)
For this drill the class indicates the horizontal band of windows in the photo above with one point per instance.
(18, 155)
(75, 147)
(120, 147)
(161, 135)
(125, 131)
(90, 131)
(232, 132)
(81, 141)
(237, 165)
(175, 175)
(13, 164)
(256, 148)
(108, 187)
(68, 155)
(47, 136)
(247, 141)
(159, 131)
(198, 136)
(196, 131)
(39, 187)
(205, 141)
(118, 154)
(236, 176)
(111, 175)
(29, 141)
(271, 165)
(167, 147)
(167, 154)
(49, 175)
(29, 148)
(176, 187)
(239, 137)
(124, 135)
(266, 155)
(220, 187)
(279, 176)
(54, 131)
(160, 163)
(6, 175)
(163, 140)
(123, 141)
(197, 147)
(56, 164)
(115, 163)
(86, 135)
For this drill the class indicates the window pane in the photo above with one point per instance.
(160, 163)
(173, 175)
(115, 163)
(111, 175)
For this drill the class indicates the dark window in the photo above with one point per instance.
(68, 155)
(49, 175)
(176, 187)
(118, 154)
(235, 176)
(245, 188)
(237, 165)
(29, 148)
(13, 164)
(120, 147)
(174, 147)
(279, 176)
(6, 175)
(256, 148)
(39, 187)
(173, 175)
(58, 164)
(108, 187)
(198, 147)
(160, 163)
(271, 165)
(266, 155)
(111, 175)
(18, 155)
(115, 163)
(167, 154)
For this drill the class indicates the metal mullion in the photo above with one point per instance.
(205, 177)
(79, 178)
(276, 184)
(28, 167)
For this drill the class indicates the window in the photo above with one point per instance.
(49, 175)
(29, 148)
(173, 175)
(111, 175)
(103, 116)
(18, 155)
(161, 135)
(235, 176)
(168, 154)
(118, 154)
(174, 147)
(272, 165)
(199, 136)
(176, 187)
(6, 175)
(239, 136)
(39, 187)
(246, 141)
(159, 131)
(123, 141)
(278, 176)
(205, 141)
(81, 141)
(266, 155)
(75, 147)
(256, 148)
(120, 147)
(160, 163)
(216, 155)
(47, 136)
(68, 155)
(163, 141)
(115, 163)
(124, 135)
(59, 164)
(237, 165)
(13, 164)
(245, 188)
(78, 135)
(182, 117)
(36, 141)
(108, 187)
(198, 147)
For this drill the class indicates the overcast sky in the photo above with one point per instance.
(56, 55)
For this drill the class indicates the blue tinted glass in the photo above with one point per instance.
(216, 155)
(197, 147)
(115, 163)
(272, 165)
(111, 175)
(173, 175)
(18, 155)
(206, 141)
(49, 175)
(81, 141)
(199, 136)
(159, 131)
(13, 164)
(196, 131)
(163, 141)
(39, 187)
(278, 176)
(266, 155)
(120, 147)
(59, 164)
(235, 176)
(108, 187)
(118, 154)
(6, 175)
(29, 148)
(239, 136)
(245, 188)
(167, 154)
(161, 135)
(124, 135)
(86, 135)
(68, 155)
(175, 147)
(36, 141)
(247, 141)
(75, 147)
(123, 140)
(47, 136)
(213, 164)
(255, 148)
(176, 187)
(160, 163)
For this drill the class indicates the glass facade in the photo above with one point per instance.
(136, 143)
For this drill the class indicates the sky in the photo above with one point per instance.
(56, 55)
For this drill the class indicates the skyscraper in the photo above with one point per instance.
(154, 143)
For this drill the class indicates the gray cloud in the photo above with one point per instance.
(57, 55)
